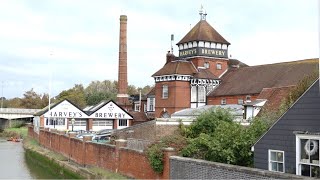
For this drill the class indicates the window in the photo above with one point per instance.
(151, 104)
(240, 101)
(137, 107)
(102, 122)
(206, 65)
(223, 101)
(308, 156)
(165, 91)
(193, 93)
(276, 160)
(55, 121)
(79, 122)
(219, 66)
(201, 94)
(123, 122)
(248, 98)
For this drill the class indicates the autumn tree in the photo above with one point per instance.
(100, 90)
(31, 100)
(75, 95)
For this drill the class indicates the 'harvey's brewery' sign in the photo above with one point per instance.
(201, 51)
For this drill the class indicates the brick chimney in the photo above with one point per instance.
(122, 96)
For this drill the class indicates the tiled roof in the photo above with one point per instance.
(251, 80)
(139, 116)
(204, 74)
(236, 63)
(203, 31)
(274, 96)
(176, 67)
(152, 92)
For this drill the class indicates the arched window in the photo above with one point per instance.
(193, 93)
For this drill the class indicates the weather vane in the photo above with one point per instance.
(202, 14)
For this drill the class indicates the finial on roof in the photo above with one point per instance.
(202, 15)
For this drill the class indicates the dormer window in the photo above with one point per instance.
(206, 65)
(219, 66)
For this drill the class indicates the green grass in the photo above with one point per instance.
(21, 132)
(105, 174)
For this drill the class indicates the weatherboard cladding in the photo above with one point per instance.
(304, 115)
(252, 79)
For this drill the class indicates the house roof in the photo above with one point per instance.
(176, 67)
(252, 79)
(203, 31)
(274, 96)
(236, 63)
(205, 74)
(152, 92)
(139, 116)
(52, 105)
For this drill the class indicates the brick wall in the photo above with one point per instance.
(150, 131)
(216, 100)
(114, 158)
(187, 168)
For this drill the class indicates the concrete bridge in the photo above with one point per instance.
(11, 116)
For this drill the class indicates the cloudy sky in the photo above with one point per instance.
(76, 41)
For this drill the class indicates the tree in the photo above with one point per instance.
(31, 100)
(75, 95)
(98, 91)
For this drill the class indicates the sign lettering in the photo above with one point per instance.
(201, 51)
(66, 114)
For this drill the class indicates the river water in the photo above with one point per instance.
(12, 161)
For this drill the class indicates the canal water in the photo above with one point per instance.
(12, 161)
(14, 164)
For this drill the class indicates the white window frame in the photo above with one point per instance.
(271, 161)
(193, 94)
(201, 97)
(298, 151)
(136, 107)
(240, 101)
(206, 65)
(151, 104)
(219, 66)
(223, 101)
(165, 91)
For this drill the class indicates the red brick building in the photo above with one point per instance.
(203, 74)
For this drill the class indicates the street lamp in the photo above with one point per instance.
(72, 122)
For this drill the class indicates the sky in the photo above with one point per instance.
(77, 41)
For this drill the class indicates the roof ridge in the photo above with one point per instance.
(284, 62)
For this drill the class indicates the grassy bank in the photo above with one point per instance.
(33, 146)
(15, 132)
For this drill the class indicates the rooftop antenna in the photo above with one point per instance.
(172, 39)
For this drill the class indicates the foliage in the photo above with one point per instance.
(15, 132)
(98, 91)
(75, 95)
(226, 142)
(301, 87)
(155, 151)
(208, 121)
(155, 157)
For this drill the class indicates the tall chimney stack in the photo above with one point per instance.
(122, 96)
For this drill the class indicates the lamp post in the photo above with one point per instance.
(72, 122)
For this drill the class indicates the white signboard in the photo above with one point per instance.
(110, 111)
(65, 110)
